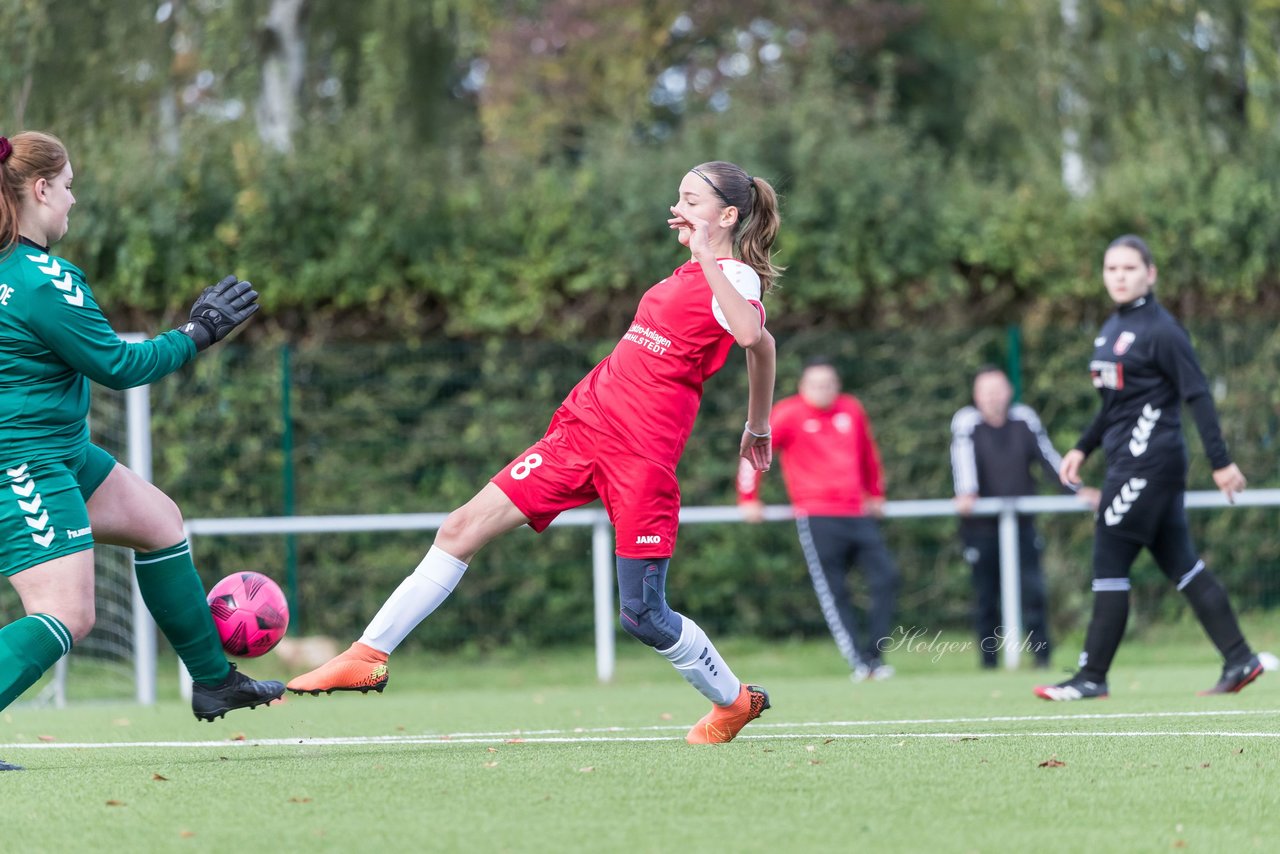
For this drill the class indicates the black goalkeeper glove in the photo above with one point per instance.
(220, 309)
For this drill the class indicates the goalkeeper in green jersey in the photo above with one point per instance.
(59, 494)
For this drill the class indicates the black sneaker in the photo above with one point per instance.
(1235, 677)
(1075, 688)
(236, 692)
(5, 766)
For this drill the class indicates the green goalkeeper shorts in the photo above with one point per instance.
(43, 514)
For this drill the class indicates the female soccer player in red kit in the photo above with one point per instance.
(618, 437)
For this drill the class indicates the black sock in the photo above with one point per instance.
(1209, 600)
(1106, 628)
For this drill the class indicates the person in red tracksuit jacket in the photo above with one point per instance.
(832, 470)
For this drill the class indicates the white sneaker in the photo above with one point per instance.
(874, 672)
(882, 672)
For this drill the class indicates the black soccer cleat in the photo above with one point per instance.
(237, 691)
(1075, 688)
(1235, 677)
(5, 766)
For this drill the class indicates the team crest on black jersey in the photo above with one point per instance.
(1123, 343)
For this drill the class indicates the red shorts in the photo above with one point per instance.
(575, 463)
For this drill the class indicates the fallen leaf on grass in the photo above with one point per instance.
(1179, 843)
(1053, 762)
(828, 741)
(1238, 752)
(160, 777)
(810, 748)
(492, 749)
(186, 834)
(46, 738)
(666, 716)
(239, 736)
(815, 761)
(114, 803)
(966, 738)
(587, 769)
(297, 800)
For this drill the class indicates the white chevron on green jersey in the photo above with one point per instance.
(53, 340)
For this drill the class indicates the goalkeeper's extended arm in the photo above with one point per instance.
(220, 309)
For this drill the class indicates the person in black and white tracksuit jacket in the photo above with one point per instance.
(1144, 369)
(995, 448)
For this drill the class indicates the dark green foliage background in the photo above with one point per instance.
(474, 196)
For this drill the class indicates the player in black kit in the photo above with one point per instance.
(1144, 368)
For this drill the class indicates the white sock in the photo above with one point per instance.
(416, 597)
(701, 666)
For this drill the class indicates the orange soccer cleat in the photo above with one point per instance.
(722, 723)
(360, 668)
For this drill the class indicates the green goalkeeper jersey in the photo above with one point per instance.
(53, 341)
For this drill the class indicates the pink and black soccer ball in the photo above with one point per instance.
(250, 612)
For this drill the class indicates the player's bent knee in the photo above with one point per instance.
(456, 530)
(658, 629)
(78, 620)
(169, 526)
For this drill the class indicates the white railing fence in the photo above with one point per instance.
(603, 577)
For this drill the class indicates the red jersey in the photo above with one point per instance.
(830, 462)
(648, 390)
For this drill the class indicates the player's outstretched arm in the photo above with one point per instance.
(757, 437)
(218, 310)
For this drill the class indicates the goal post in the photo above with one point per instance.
(138, 432)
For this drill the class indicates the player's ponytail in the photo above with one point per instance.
(761, 230)
(23, 159)
(758, 215)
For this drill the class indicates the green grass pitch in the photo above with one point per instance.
(514, 753)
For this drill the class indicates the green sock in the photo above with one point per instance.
(29, 647)
(176, 598)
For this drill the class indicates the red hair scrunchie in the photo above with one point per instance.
(6, 148)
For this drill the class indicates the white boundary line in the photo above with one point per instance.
(616, 734)
(437, 741)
